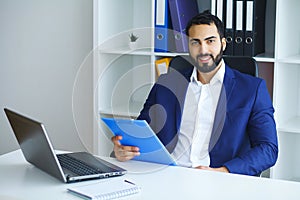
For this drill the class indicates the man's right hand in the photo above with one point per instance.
(124, 153)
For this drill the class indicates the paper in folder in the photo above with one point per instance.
(162, 65)
(138, 133)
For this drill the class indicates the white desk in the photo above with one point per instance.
(21, 180)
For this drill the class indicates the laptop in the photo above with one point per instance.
(139, 133)
(68, 167)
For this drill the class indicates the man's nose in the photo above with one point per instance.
(203, 48)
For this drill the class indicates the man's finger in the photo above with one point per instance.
(116, 139)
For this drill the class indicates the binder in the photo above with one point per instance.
(162, 65)
(229, 26)
(212, 8)
(254, 42)
(238, 47)
(204, 5)
(219, 9)
(161, 26)
(181, 12)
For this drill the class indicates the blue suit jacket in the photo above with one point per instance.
(244, 137)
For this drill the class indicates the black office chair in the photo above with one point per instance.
(243, 64)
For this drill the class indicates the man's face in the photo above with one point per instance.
(206, 47)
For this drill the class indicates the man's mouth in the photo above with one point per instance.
(204, 58)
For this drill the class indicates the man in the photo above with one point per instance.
(210, 116)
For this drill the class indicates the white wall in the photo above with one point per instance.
(42, 45)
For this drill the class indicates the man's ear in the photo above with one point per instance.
(223, 41)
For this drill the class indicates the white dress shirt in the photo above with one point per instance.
(198, 119)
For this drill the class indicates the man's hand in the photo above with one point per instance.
(220, 169)
(124, 153)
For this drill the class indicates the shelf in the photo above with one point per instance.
(290, 60)
(139, 51)
(149, 52)
(290, 126)
(133, 110)
(295, 179)
(265, 57)
(166, 54)
(128, 51)
(119, 114)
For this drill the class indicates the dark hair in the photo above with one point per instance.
(206, 18)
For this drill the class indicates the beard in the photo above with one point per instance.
(206, 67)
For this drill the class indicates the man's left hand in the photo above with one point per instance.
(219, 169)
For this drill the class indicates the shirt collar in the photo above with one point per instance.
(218, 77)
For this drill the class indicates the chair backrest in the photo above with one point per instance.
(180, 63)
(243, 64)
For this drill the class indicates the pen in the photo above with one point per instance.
(129, 182)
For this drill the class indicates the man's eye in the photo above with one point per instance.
(211, 41)
(194, 43)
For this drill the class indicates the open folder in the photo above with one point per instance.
(139, 133)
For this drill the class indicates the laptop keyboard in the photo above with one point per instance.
(76, 166)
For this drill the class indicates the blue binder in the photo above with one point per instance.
(181, 12)
(161, 26)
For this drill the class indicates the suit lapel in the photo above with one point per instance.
(229, 81)
(182, 82)
(177, 84)
(220, 116)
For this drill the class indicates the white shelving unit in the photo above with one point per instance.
(287, 89)
(123, 77)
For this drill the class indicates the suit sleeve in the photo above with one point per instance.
(144, 114)
(261, 130)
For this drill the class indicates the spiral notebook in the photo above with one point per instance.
(109, 189)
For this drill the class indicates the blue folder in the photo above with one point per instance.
(161, 27)
(139, 133)
(181, 12)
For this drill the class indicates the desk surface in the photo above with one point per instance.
(21, 180)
